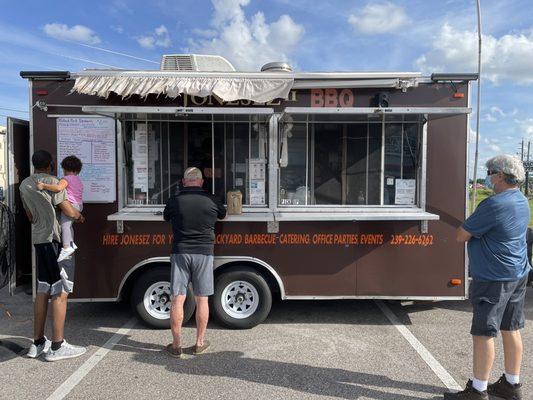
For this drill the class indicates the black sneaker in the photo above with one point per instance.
(502, 388)
(468, 394)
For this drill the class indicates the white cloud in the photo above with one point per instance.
(205, 33)
(472, 136)
(490, 118)
(526, 127)
(247, 43)
(494, 147)
(160, 38)
(491, 140)
(117, 28)
(76, 33)
(379, 18)
(497, 110)
(146, 42)
(507, 58)
(496, 113)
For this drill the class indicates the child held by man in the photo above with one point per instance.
(70, 182)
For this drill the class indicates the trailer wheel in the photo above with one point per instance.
(242, 298)
(151, 300)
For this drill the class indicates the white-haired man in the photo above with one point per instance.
(496, 236)
(193, 214)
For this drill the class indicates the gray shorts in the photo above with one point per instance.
(497, 306)
(195, 268)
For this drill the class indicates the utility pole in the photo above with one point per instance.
(476, 154)
(526, 190)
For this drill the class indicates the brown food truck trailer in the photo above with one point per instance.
(352, 183)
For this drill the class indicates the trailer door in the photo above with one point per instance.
(18, 168)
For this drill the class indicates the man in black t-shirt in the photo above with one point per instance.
(193, 214)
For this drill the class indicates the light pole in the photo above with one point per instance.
(476, 156)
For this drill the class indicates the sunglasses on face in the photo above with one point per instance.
(492, 172)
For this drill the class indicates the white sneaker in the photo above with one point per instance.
(36, 351)
(74, 246)
(66, 350)
(65, 253)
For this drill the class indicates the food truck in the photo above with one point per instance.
(352, 183)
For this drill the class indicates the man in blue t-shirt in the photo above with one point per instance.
(497, 251)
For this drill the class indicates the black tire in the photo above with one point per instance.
(140, 287)
(250, 277)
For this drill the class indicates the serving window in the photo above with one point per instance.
(350, 160)
(230, 150)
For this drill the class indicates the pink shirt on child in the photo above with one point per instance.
(74, 189)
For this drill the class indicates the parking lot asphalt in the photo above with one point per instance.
(305, 349)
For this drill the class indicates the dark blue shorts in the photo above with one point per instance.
(497, 306)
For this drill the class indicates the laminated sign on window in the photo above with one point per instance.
(405, 191)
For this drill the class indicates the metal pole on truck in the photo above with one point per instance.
(476, 156)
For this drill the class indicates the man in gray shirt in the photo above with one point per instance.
(54, 281)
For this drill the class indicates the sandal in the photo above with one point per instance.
(200, 349)
(176, 353)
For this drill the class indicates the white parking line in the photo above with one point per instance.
(437, 368)
(91, 362)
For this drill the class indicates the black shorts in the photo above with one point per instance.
(53, 277)
(497, 306)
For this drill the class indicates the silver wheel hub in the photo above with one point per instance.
(157, 300)
(240, 299)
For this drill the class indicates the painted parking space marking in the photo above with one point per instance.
(76, 377)
(424, 353)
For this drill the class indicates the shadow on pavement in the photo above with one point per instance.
(321, 381)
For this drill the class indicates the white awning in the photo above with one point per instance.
(256, 89)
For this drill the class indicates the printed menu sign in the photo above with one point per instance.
(405, 191)
(92, 140)
(140, 158)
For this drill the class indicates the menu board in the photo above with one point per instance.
(92, 140)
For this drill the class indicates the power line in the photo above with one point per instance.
(113, 52)
(6, 116)
(12, 109)
(85, 60)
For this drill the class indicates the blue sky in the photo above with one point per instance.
(355, 35)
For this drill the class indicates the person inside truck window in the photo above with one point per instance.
(54, 280)
(193, 214)
(499, 266)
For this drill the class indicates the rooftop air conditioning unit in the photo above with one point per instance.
(195, 62)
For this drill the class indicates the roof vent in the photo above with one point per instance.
(278, 66)
(195, 62)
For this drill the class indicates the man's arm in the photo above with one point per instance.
(67, 209)
(28, 212)
(482, 220)
(169, 209)
(221, 210)
(462, 235)
(29, 215)
(53, 187)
